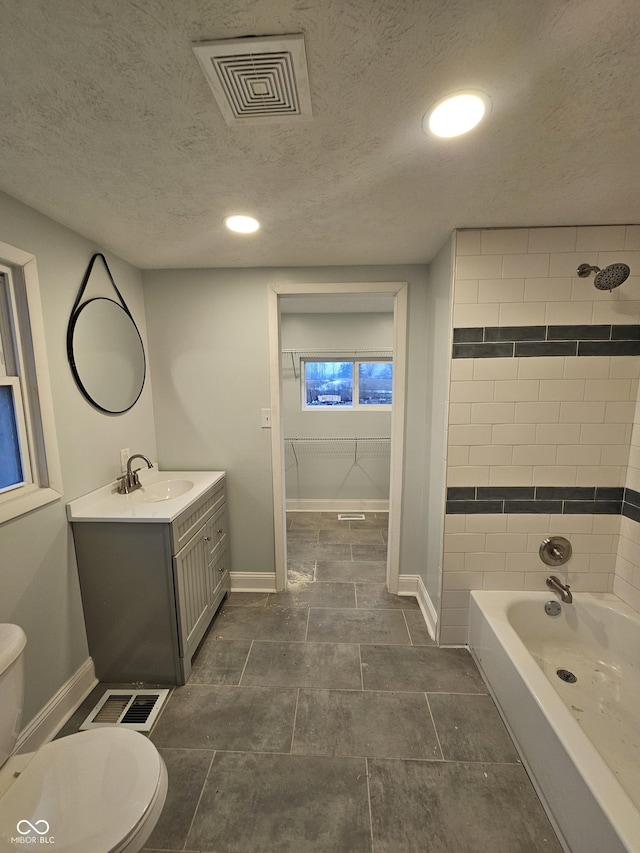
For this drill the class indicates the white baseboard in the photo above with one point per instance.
(413, 585)
(428, 610)
(408, 585)
(253, 581)
(48, 722)
(353, 505)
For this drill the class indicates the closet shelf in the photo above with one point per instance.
(297, 354)
(353, 448)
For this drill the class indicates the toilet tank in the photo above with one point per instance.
(12, 643)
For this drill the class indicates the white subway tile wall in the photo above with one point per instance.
(627, 572)
(626, 582)
(541, 421)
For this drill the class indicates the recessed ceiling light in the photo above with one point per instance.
(242, 224)
(456, 114)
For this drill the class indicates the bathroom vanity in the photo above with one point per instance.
(154, 567)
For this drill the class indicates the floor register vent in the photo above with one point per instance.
(129, 709)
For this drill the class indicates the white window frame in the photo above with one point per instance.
(355, 405)
(29, 374)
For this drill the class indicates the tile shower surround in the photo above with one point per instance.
(542, 435)
(538, 341)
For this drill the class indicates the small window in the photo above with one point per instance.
(342, 384)
(29, 463)
(13, 443)
(375, 383)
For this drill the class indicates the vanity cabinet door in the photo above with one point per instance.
(201, 579)
(194, 592)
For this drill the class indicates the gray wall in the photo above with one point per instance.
(208, 339)
(38, 581)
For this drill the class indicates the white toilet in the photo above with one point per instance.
(99, 791)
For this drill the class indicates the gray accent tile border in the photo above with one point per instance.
(532, 341)
(631, 505)
(559, 500)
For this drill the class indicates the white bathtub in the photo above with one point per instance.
(580, 742)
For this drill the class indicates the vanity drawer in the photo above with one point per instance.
(185, 525)
(216, 532)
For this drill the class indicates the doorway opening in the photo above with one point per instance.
(337, 426)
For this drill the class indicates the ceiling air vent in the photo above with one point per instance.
(258, 80)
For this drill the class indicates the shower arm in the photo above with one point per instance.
(585, 270)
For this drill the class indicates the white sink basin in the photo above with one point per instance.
(164, 490)
(163, 496)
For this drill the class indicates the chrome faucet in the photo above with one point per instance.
(562, 589)
(130, 481)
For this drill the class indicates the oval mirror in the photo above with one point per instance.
(107, 355)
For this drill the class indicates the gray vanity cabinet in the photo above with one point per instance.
(150, 590)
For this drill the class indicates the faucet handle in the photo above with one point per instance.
(555, 551)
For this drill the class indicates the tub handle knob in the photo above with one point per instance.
(555, 551)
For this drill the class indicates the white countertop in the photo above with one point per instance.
(151, 503)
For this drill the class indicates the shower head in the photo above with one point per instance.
(608, 278)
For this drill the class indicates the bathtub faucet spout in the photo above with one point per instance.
(562, 589)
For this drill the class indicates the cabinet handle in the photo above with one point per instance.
(219, 532)
(207, 539)
(222, 569)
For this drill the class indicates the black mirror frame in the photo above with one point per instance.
(78, 305)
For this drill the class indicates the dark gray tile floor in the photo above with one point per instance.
(325, 720)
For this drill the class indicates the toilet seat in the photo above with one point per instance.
(101, 791)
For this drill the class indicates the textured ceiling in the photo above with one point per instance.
(109, 127)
